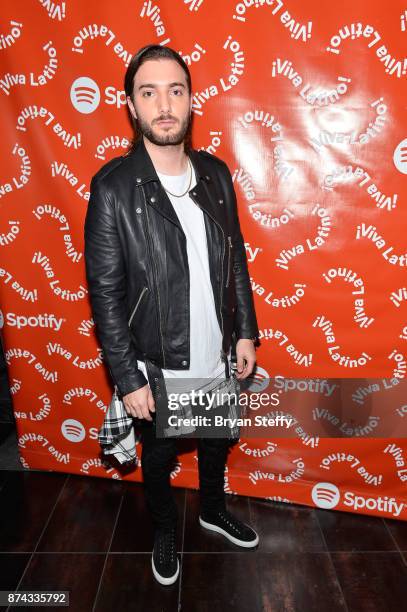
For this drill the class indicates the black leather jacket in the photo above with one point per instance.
(137, 267)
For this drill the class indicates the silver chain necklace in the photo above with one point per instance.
(176, 195)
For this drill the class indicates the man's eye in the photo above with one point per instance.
(179, 90)
(146, 92)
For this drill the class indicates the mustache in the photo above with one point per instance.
(165, 118)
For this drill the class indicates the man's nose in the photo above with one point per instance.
(164, 104)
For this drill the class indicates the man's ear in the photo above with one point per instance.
(131, 106)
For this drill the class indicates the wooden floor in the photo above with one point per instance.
(93, 537)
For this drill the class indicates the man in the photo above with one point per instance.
(169, 286)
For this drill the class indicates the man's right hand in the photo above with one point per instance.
(140, 403)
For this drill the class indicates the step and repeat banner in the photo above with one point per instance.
(306, 102)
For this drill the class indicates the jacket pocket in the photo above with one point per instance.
(140, 297)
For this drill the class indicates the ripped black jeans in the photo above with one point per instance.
(157, 458)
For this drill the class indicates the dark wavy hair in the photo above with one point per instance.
(153, 52)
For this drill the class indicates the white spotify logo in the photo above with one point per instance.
(73, 430)
(259, 380)
(400, 156)
(85, 95)
(325, 495)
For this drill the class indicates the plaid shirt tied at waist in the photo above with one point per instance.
(117, 436)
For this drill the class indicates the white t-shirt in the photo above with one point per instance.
(205, 334)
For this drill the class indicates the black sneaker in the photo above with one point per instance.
(234, 530)
(164, 559)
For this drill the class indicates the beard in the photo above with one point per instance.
(172, 137)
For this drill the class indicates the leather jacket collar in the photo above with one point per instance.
(204, 193)
(143, 167)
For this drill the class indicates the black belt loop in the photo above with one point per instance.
(158, 388)
(155, 377)
(226, 360)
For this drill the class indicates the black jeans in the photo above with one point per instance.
(156, 462)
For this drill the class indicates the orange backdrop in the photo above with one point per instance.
(306, 102)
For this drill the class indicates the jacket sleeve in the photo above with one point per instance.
(245, 320)
(106, 278)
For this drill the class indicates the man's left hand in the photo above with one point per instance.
(246, 358)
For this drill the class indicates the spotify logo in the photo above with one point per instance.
(400, 156)
(73, 430)
(85, 95)
(325, 495)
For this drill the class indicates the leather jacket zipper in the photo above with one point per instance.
(143, 291)
(229, 258)
(156, 276)
(221, 282)
(137, 304)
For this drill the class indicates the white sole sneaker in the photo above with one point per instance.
(160, 578)
(227, 535)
